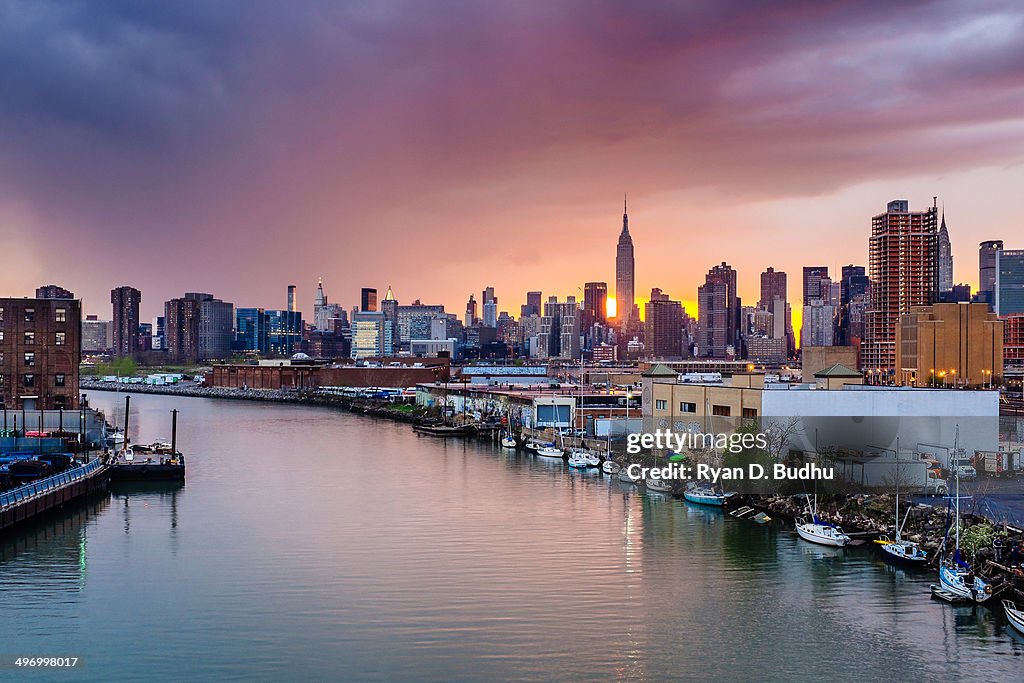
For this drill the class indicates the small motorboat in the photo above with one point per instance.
(610, 467)
(658, 485)
(550, 451)
(702, 494)
(822, 533)
(1014, 615)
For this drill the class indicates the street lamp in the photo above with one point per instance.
(942, 375)
(953, 373)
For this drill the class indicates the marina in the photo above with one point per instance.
(355, 593)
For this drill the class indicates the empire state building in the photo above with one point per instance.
(624, 276)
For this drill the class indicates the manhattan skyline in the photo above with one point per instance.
(204, 148)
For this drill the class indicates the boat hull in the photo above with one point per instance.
(893, 552)
(712, 499)
(955, 581)
(816, 533)
(609, 467)
(658, 486)
(550, 453)
(1014, 615)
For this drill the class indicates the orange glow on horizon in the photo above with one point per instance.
(609, 307)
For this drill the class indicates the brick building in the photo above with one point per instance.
(39, 353)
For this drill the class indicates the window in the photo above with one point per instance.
(30, 338)
(661, 404)
(30, 359)
(60, 315)
(58, 379)
(30, 380)
(1, 380)
(1, 336)
(722, 411)
(1, 314)
(30, 315)
(59, 338)
(750, 412)
(685, 407)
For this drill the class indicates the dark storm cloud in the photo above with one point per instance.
(216, 127)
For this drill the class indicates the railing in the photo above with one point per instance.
(36, 488)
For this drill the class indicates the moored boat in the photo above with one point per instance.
(626, 476)
(955, 575)
(593, 459)
(658, 485)
(610, 467)
(703, 494)
(508, 442)
(578, 460)
(1014, 615)
(550, 451)
(822, 533)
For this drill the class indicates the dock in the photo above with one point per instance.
(35, 498)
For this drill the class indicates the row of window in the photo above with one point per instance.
(59, 338)
(60, 315)
(59, 380)
(719, 410)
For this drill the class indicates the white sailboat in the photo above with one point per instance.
(658, 485)
(609, 466)
(955, 575)
(578, 460)
(820, 532)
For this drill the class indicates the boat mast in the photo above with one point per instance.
(956, 473)
(896, 519)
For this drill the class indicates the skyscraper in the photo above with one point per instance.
(181, 318)
(291, 298)
(815, 279)
(532, 305)
(625, 300)
(1008, 290)
(490, 307)
(903, 266)
(773, 286)
(663, 327)
(945, 258)
(389, 307)
(853, 285)
(471, 317)
(216, 326)
(324, 313)
(718, 312)
(125, 301)
(595, 303)
(368, 299)
(987, 269)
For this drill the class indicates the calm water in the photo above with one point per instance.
(309, 543)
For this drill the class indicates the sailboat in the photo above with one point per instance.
(703, 494)
(899, 550)
(819, 531)
(578, 459)
(955, 575)
(507, 440)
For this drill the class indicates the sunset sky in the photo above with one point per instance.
(439, 147)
